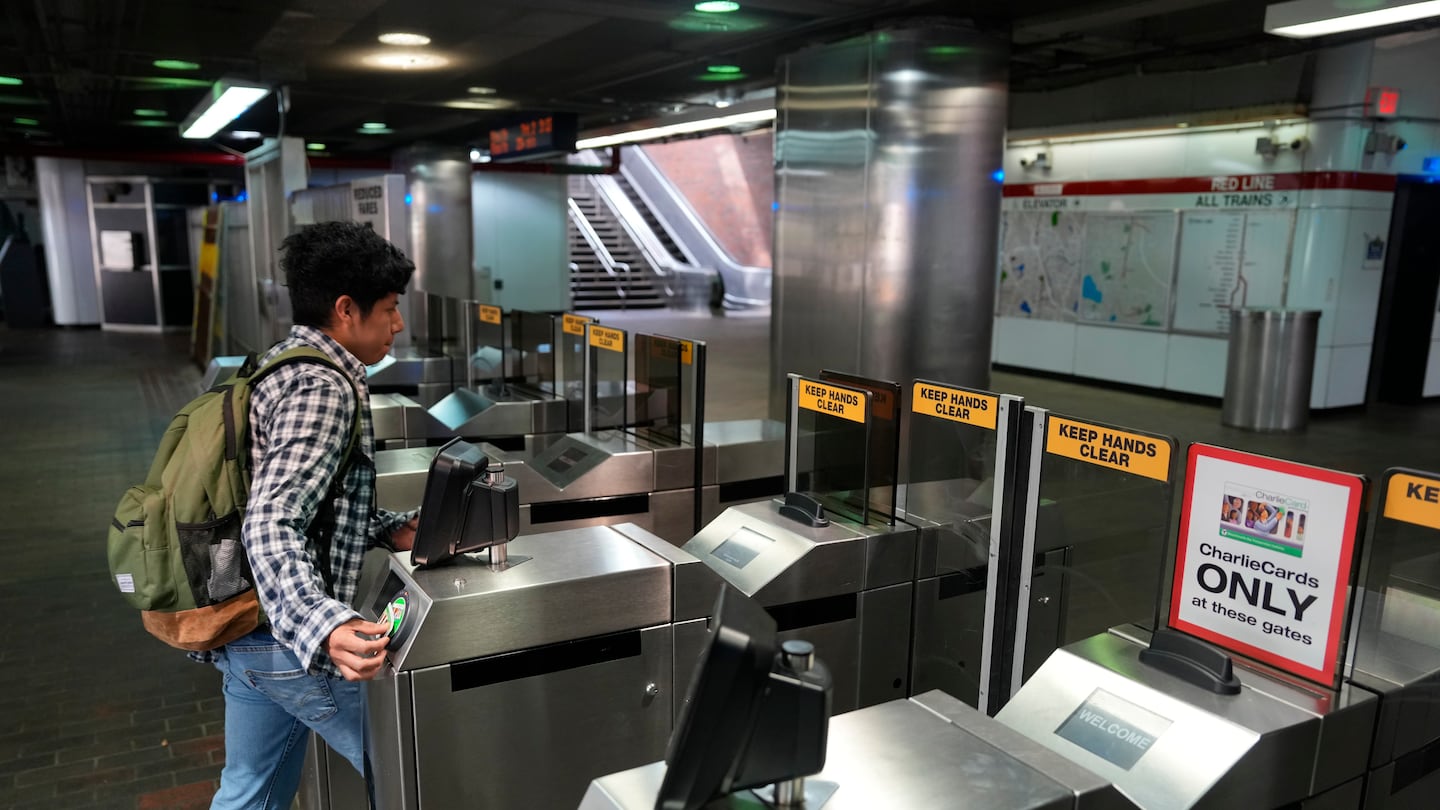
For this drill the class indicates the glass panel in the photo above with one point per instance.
(830, 451)
(533, 362)
(656, 402)
(949, 493)
(486, 350)
(570, 369)
(883, 451)
(610, 380)
(1102, 528)
(1397, 636)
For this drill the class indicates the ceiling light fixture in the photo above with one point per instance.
(405, 38)
(373, 125)
(479, 104)
(175, 64)
(723, 69)
(685, 128)
(149, 122)
(315, 147)
(475, 155)
(405, 60)
(27, 122)
(147, 113)
(481, 91)
(717, 6)
(374, 130)
(228, 100)
(1301, 19)
(10, 81)
(243, 135)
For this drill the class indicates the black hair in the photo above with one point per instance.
(325, 261)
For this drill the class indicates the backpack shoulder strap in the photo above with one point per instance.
(307, 354)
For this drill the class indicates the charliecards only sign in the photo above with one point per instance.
(1266, 552)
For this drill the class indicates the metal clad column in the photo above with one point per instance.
(441, 230)
(885, 237)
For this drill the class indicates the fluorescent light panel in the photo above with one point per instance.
(233, 101)
(1301, 19)
(670, 130)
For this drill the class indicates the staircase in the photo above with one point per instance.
(615, 276)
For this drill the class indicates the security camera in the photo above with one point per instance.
(1300, 144)
(1040, 161)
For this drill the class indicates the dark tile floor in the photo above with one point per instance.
(98, 714)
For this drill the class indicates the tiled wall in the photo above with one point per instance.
(730, 182)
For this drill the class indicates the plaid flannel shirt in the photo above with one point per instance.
(300, 422)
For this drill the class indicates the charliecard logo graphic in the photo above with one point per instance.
(1270, 520)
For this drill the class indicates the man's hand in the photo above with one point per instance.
(358, 658)
(403, 538)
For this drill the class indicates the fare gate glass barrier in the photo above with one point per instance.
(882, 449)
(533, 362)
(570, 368)
(962, 455)
(827, 436)
(607, 378)
(1096, 527)
(656, 402)
(1396, 635)
(485, 348)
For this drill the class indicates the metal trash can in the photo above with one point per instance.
(1270, 368)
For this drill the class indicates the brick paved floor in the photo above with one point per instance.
(93, 711)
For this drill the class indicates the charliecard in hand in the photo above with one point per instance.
(1271, 520)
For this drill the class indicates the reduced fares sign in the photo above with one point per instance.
(1265, 557)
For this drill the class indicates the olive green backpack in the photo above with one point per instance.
(174, 546)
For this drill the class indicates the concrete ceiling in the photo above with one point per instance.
(87, 65)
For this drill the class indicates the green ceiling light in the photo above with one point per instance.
(175, 64)
(149, 122)
(721, 77)
(168, 82)
(27, 122)
(10, 81)
(373, 125)
(723, 69)
(372, 129)
(947, 50)
(315, 147)
(717, 6)
(147, 113)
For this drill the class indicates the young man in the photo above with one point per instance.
(304, 669)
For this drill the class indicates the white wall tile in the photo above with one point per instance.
(1121, 355)
(1315, 265)
(1359, 297)
(1349, 374)
(1196, 365)
(1043, 345)
(1432, 371)
(1320, 383)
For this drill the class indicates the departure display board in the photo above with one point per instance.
(541, 135)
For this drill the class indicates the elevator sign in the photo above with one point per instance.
(1265, 558)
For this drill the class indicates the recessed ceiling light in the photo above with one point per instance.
(479, 104)
(475, 155)
(151, 122)
(404, 38)
(373, 125)
(10, 81)
(405, 60)
(146, 113)
(717, 6)
(723, 69)
(315, 147)
(175, 64)
(27, 122)
(373, 129)
(244, 134)
(721, 77)
(481, 91)
(169, 82)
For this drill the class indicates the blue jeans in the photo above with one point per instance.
(271, 704)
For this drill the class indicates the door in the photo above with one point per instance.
(1406, 325)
